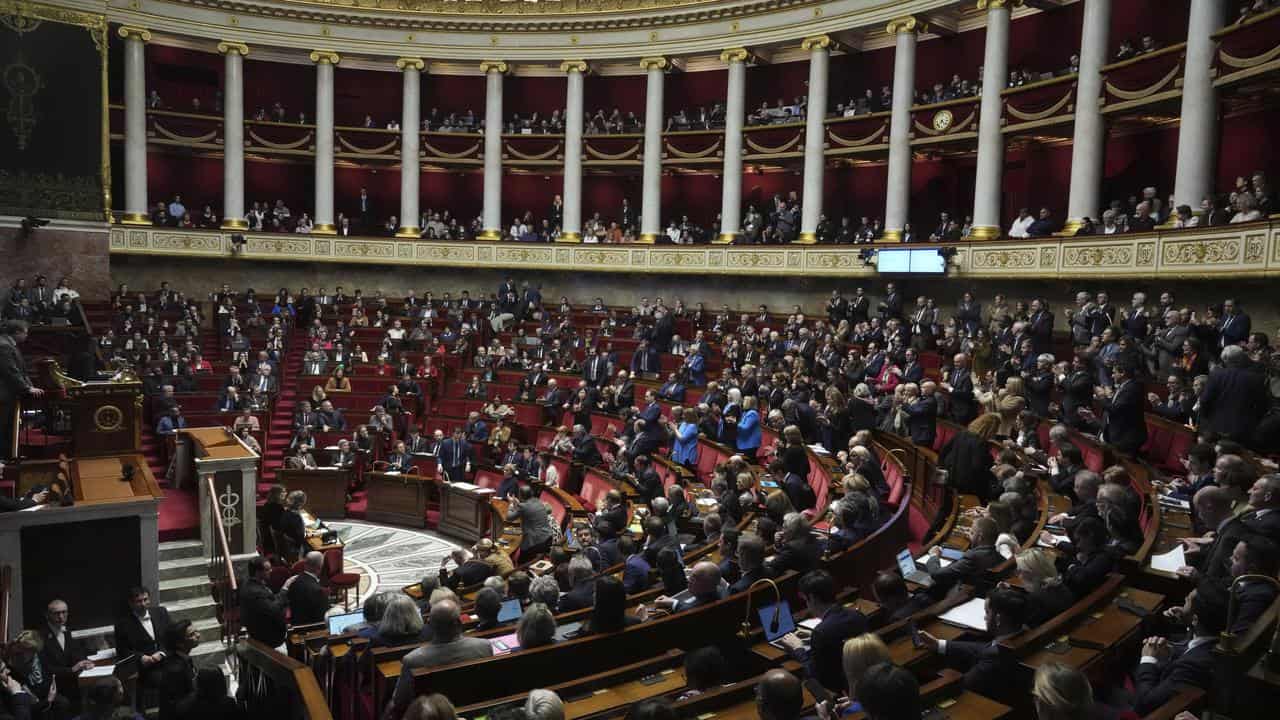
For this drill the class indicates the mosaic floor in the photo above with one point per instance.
(388, 557)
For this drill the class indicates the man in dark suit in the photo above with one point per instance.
(455, 453)
(1077, 394)
(1040, 327)
(141, 632)
(1263, 520)
(987, 666)
(960, 384)
(14, 384)
(584, 448)
(1162, 673)
(635, 571)
(922, 416)
(1233, 328)
(823, 658)
(1039, 385)
(469, 570)
(1124, 423)
(1235, 398)
(597, 370)
(308, 600)
(261, 609)
(704, 588)
(892, 305)
(644, 442)
(61, 654)
(980, 557)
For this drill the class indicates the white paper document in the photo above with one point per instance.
(972, 614)
(923, 560)
(98, 671)
(1170, 562)
(1052, 541)
(103, 654)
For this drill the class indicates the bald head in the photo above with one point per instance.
(779, 696)
(704, 579)
(1213, 505)
(314, 562)
(444, 619)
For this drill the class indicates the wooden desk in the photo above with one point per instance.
(904, 653)
(398, 499)
(1109, 624)
(326, 489)
(464, 511)
(1074, 656)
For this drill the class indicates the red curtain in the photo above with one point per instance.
(294, 86)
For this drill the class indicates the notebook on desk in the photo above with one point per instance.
(509, 611)
(911, 573)
(338, 624)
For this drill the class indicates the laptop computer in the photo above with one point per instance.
(509, 611)
(907, 566)
(338, 624)
(777, 622)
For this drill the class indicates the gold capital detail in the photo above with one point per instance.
(489, 66)
(128, 31)
(229, 46)
(907, 24)
(735, 55)
(571, 65)
(652, 63)
(983, 232)
(325, 56)
(406, 63)
(997, 4)
(818, 41)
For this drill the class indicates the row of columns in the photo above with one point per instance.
(1195, 167)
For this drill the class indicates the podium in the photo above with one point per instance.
(102, 418)
(398, 499)
(90, 553)
(464, 510)
(215, 453)
(326, 489)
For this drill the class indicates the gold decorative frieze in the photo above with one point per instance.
(1215, 253)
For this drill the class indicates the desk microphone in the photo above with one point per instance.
(126, 473)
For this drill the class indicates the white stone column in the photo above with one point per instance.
(326, 61)
(233, 135)
(410, 140)
(651, 182)
(136, 208)
(571, 219)
(735, 112)
(815, 137)
(1198, 131)
(990, 173)
(897, 207)
(493, 70)
(1089, 143)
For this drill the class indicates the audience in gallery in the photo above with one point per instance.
(1252, 8)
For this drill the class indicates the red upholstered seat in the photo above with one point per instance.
(335, 578)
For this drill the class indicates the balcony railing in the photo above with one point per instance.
(1231, 251)
(1248, 49)
(1143, 80)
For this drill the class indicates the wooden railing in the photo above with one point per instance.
(222, 572)
(277, 686)
(6, 580)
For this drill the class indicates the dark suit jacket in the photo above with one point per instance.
(308, 601)
(635, 574)
(581, 596)
(57, 660)
(1155, 684)
(968, 568)
(1233, 402)
(799, 555)
(963, 404)
(1124, 421)
(263, 613)
(132, 639)
(987, 667)
(177, 682)
(825, 660)
(922, 416)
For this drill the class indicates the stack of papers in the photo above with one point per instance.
(99, 671)
(1053, 541)
(972, 615)
(103, 654)
(923, 560)
(1170, 562)
(465, 486)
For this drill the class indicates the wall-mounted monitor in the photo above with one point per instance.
(909, 261)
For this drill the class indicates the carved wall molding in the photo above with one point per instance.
(1213, 254)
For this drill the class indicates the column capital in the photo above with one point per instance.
(998, 4)
(571, 65)
(655, 63)
(488, 66)
(907, 24)
(325, 56)
(819, 42)
(406, 63)
(231, 46)
(128, 31)
(736, 54)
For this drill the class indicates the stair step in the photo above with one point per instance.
(197, 608)
(179, 549)
(183, 567)
(183, 588)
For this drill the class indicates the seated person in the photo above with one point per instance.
(980, 557)
(986, 665)
(1162, 673)
(887, 692)
(798, 549)
(704, 589)
(823, 657)
(1085, 562)
(470, 570)
(890, 590)
(635, 571)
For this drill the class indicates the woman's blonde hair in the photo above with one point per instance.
(985, 426)
(1036, 566)
(1061, 693)
(858, 654)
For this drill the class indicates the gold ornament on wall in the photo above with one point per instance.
(108, 418)
(943, 120)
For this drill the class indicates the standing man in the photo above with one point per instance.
(62, 655)
(14, 385)
(141, 631)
